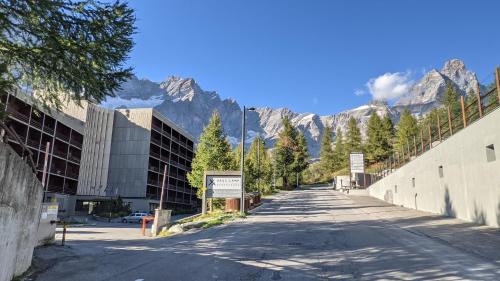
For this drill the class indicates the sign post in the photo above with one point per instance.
(221, 184)
(357, 164)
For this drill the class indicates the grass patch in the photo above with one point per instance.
(222, 219)
(213, 218)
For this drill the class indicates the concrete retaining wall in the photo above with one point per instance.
(460, 177)
(20, 204)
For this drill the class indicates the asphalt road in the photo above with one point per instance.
(313, 234)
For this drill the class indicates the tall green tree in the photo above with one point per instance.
(451, 99)
(353, 141)
(284, 151)
(340, 155)
(213, 153)
(389, 133)
(326, 155)
(377, 145)
(301, 156)
(258, 170)
(77, 48)
(407, 129)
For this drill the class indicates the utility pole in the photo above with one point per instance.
(242, 200)
(44, 173)
(163, 186)
(258, 164)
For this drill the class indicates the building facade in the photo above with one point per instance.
(125, 154)
(102, 154)
(64, 135)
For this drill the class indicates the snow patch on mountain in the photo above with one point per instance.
(118, 102)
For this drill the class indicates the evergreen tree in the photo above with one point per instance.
(236, 158)
(353, 141)
(213, 153)
(388, 132)
(471, 108)
(376, 146)
(301, 155)
(327, 156)
(284, 155)
(258, 172)
(65, 49)
(407, 129)
(339, 152)
(451, 99)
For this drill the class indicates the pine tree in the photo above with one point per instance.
(388, 132)
(301, 155)
(353, 141)
(236, 158)
(284, 151)
(65, 49)
(376, 146)
(339, 152)
(257, 167)
(327, 157)
(406, 130)
(451, 99)
(213, 153)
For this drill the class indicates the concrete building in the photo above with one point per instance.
(125, 152)
(37, 127)
(97, 154)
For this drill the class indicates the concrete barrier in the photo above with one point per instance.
(460, 177)
(162, 219)
(20, 204)
(47, 227)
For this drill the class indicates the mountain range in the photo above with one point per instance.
(184, 102)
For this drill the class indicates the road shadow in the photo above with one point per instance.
(303, 249)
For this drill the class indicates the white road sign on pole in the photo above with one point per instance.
(225, 184)
(357, 162)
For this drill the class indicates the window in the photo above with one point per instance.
(395, 189)
(413, 182)
(440, 169)
(490, 153)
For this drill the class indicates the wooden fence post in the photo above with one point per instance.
(478, 97)
(422, 140)
(409, 153)
(439, 128)
(430, 136)
(464, 115)
(497, 76)
(449, 121)
(415, 145)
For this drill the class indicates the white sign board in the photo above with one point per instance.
(357, 162)
(223, 186)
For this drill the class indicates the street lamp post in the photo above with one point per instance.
(242, 201)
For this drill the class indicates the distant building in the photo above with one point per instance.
(97, 154)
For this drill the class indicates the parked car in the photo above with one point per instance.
(134, 217)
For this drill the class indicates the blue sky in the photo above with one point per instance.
(314, 55)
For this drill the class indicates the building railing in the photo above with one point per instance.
(434, 134)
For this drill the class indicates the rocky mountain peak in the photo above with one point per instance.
(184, 102)
(453, 68)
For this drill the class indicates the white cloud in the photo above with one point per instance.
(359, 92)
(389, 86)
